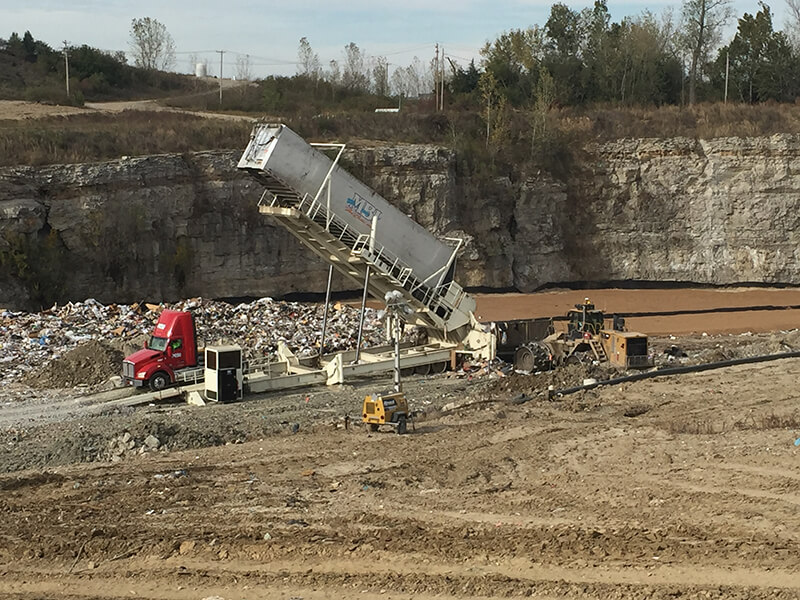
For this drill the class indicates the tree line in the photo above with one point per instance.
(582, 57)
(578, 57)
(31, 69)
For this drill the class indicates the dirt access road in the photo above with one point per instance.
(20, 109)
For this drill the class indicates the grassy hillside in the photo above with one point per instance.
(32, 70)
(96, 137)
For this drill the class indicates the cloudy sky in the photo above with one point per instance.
(269, 31)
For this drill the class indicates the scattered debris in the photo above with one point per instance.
(83, 343)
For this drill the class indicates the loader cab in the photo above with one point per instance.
(585, 318)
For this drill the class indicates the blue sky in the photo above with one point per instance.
(269, 31)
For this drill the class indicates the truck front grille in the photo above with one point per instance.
(127, 369)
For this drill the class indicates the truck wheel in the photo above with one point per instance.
(422, 369)
(401, 425)
(159, 381)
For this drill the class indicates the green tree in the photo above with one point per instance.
(29, 47)
(599, 52)
(151, 44)
(464, 81)
(762, 64)
(565, 29)
(646, 71)
(513, 60)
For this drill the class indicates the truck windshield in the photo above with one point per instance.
(157, 343)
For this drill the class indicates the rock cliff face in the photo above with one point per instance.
(161, 227)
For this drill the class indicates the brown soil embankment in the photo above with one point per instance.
(498, 307)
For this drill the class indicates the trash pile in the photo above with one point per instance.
(491, 369)
(29, 341)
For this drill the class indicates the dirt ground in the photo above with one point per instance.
(674, 487)
(492, 307)
(20, 109)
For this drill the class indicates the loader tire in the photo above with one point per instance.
(373, 427)
(532, 357)
(159, 381)
(401, 425)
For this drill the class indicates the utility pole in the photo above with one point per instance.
(727, 70)
(66, 64)
(221, 53)
(441, 103)
(436, 76)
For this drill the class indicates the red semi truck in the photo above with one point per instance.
(173, 346)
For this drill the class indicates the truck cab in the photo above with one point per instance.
(172, 346)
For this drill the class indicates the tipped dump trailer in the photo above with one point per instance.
(277, 152)
(356, 231)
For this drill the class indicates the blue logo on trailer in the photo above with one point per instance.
(362, 209)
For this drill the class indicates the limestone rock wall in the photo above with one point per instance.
(715, 211)
(162, 227)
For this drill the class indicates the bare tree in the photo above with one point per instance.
(380, 76)
(307, 60)
(354, 73)
(495, 114)
(244, 71)
(703, 21)
(399, 82)
(335, 73)
(793, 22)
(151, 44)
(543, 99)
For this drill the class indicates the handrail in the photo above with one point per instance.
(386, 261)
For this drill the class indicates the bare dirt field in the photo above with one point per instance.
(20, 109)
(673, 487)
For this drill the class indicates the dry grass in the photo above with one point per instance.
(95, 137)
(702, 121)
(708, 426)
(88, 138)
